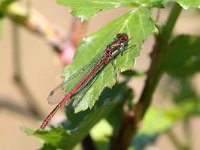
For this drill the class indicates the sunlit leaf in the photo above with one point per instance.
(183, 56)
(87, 8)
(189, 3)
(138, 25)
(101, 134)
(159, 120)
(4, 4)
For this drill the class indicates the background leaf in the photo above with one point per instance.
(189, 4)
(183, 56)
(87, 8)
(101, 134)
(138, 25)
(159, 120)
(4, 4)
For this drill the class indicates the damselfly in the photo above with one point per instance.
(75, 87)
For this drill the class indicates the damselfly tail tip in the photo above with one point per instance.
(43, 125)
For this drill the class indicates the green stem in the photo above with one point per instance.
(168, 27)
(132, 120)
(155, 70)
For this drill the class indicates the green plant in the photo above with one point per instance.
(176, 55)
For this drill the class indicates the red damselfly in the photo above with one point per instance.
(77, 85)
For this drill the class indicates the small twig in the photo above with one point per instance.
(78, 30)
(17, 75)
(16, 50)
(37, 23)
(55, 36)
(30, 100)
(68, 48)
(10, 105)
(187, 132)
(174, 140)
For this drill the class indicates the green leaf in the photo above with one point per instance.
(101, 134)
(133, 73)
(187, 104)
(154, 3)
(183, 56)
(138, 25)
(4, 4)
(189, 3)
(154, 115)
(79, 124)
(156, 121)
(186, 92)
(87, 8)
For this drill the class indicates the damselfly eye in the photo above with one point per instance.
(122, 37)
(125, 37)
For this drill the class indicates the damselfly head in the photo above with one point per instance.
(122, 37)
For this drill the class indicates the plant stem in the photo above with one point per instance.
(134, 117)
(174, 140)
(30, 100)
(177, 144)
(187, 133)
(155, 71)
(40, 26)
(168, 27)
